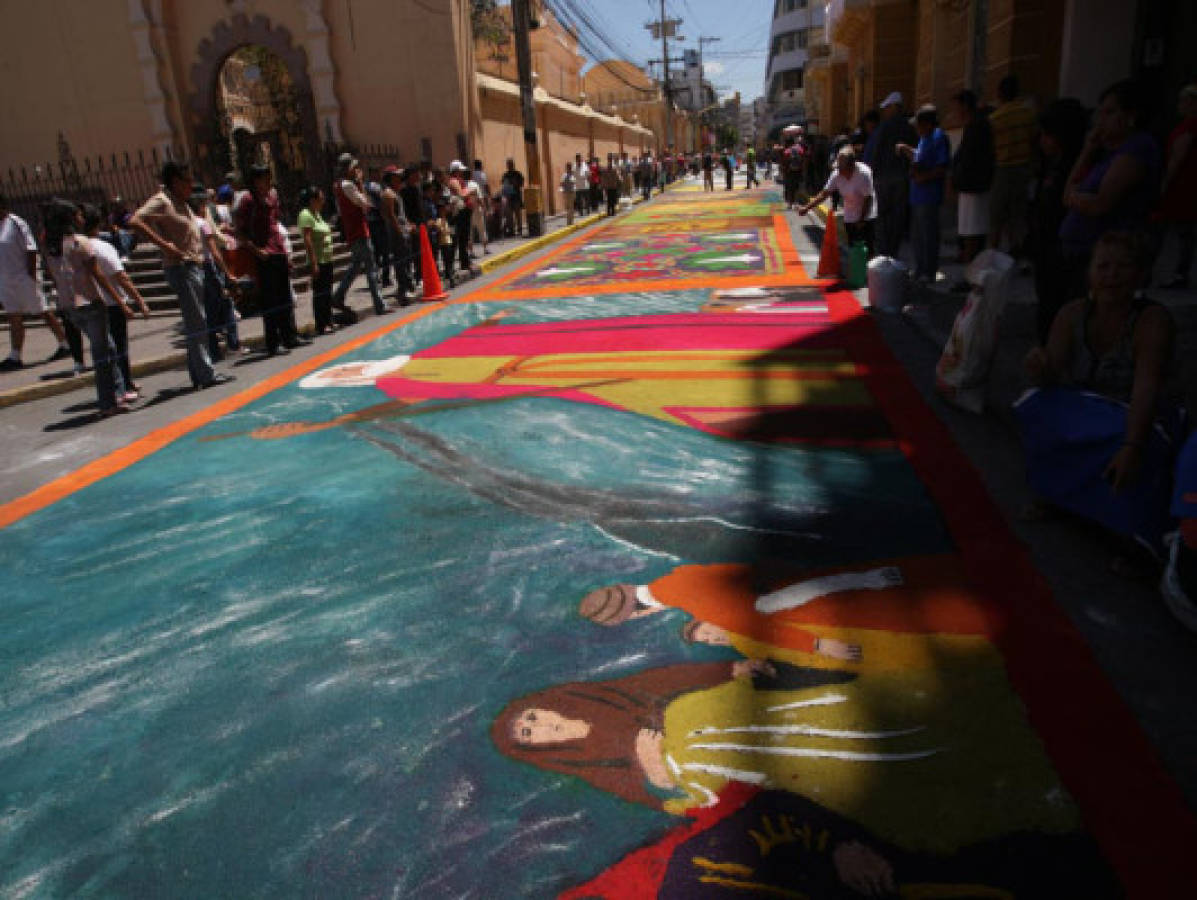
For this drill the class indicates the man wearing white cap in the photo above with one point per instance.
(890, 174)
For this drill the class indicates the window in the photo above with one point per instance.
(791, 40)
(788, 6)
(791, 80)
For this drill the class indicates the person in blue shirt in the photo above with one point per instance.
(928, 171)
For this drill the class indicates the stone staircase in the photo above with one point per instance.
(144, 266)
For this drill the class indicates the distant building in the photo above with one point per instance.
(796, 23)
(688, 88)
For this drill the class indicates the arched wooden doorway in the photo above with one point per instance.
(252, 102)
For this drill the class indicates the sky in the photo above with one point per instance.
(735, 63)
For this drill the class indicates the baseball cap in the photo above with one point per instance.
(895, 97)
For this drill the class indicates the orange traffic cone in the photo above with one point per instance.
(433, 290)
(829, 256)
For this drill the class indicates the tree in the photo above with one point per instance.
(489, 23)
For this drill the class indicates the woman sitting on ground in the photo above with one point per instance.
(1110, 417)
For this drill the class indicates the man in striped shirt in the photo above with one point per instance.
(1013, 126)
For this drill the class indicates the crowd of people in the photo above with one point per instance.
(226, 249)
(1086, 200)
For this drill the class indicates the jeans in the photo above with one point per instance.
(218, 309)
(118, 330)
(274, 286)
(74, 338)
(92, 320)
(792, 184)
(924, 234)
(891, 215)
(461, 237)
(401, 259)
(612, 200)
(361, 259)
(382, 248)
(187, 281)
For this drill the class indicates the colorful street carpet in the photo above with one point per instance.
(642, 572)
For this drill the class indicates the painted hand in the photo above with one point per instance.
(747, 668)
(1123, 469)
(650, 754)
(863, 869)
(838, 649)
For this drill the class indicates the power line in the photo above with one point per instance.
(568, 13)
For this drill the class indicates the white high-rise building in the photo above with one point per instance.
(796, 25)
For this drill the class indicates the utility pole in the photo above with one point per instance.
(665, 29)
(701, 70)
(521, 26)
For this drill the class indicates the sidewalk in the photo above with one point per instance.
(156, 344)
(932, 310)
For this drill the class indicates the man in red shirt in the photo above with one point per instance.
(352, 205)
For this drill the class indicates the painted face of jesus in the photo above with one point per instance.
(543, 726)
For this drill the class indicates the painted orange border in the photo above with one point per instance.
(114, 462)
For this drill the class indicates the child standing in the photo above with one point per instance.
(444, 240)
(569, 188)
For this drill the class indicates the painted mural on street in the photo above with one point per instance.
(639, 590)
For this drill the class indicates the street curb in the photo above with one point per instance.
(487, 266)
(539, 243)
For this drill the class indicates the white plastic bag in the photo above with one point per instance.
(887, 283)
(963, 369)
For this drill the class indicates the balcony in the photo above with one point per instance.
(847, 20)
(797, 20)
(791, 59)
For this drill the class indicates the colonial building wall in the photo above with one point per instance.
(78, 74)
(1097, 47)
(502, 136)
(400, 75)
(895, 47)
(1024, 39)
(943, 40)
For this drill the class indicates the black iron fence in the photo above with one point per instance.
(130, 177)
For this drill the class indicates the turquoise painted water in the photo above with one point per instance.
(267, 668)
